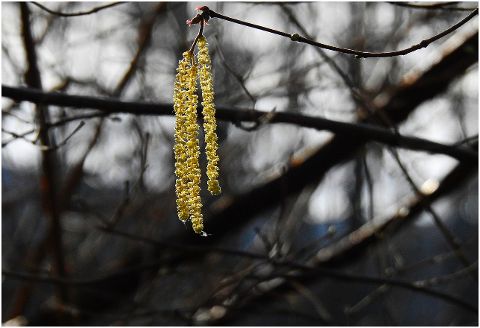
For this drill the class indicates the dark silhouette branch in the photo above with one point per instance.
(358, 54)
(361, 130)
(433, 6)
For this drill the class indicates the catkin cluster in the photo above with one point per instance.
(186, 149)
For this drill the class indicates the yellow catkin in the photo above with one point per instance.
(186, 149)
(193, 153)
(180, 148)
(210, 124)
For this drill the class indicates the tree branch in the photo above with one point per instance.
(358, 54)
(433, 6)
(361, 130)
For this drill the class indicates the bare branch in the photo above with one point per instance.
(94, 10)
(352, 130)
(433, 6)
(358, 54)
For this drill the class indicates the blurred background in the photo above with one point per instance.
(312, 227)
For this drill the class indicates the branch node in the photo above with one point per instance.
(295, 37)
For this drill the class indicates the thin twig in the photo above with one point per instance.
(70, 119)
(358, 54)
(94, 10)
(433, 6)
(237, 76)
(129, 195)
(381, 290)
(200, 33)
(33, 142)
(180, 246)
(80, 281)
(64, 142)
(9, 112)
(468, 140)
(16, 136)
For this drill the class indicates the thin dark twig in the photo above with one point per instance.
(75, 118)
(359, 54)
(433, 6)
(360, 305)
(430, 6)
(310, 249)
(313, 299)
(80, 281)
(130, 193)
(383, 289)
(9, 112)
(94, 10)
(468, 140)
(16, 136)
(33, 142)
(237, 76)
(64, 142)
(436, 259)
(471, 269)
(143, 160)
